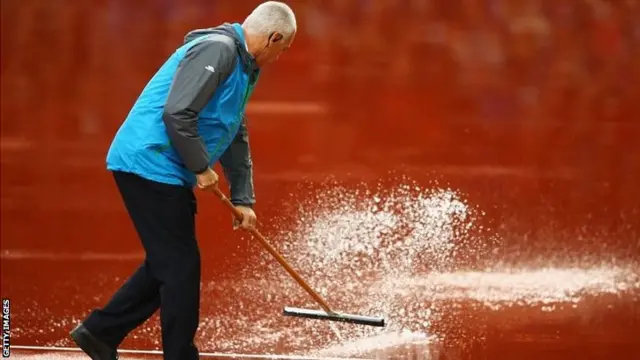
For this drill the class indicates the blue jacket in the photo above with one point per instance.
(191, 115)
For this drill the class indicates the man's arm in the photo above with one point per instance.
(238, 168)
(205, 66)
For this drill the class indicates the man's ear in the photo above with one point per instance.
(275, 37)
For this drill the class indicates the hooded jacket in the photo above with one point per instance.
(191, 115)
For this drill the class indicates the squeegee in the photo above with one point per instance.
(326, 313)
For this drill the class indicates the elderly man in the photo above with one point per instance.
(189, 116)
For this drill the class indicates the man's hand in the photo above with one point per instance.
(249, 219)
(207, 180)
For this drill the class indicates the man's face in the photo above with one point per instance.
(275, 45)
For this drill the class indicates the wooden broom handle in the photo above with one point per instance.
(263, 241)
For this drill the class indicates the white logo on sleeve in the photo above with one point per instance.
(210, 68)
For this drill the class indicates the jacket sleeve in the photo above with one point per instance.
(205, 66)
(238, 168)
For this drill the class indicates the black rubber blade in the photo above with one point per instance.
(322, 315)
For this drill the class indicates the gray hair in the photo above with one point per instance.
(269, 17)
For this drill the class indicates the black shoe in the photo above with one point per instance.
(96, 349)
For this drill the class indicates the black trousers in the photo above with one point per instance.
(169, 277)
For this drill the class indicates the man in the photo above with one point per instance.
(189, 116)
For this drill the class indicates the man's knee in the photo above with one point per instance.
(181, 268)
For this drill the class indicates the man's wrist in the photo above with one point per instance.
(242, 204)
(201, 171)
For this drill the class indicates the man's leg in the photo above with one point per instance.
(139, 297)
(180, 303)
(175, 260)
(104, 329)
(130, 306)
(164, 216)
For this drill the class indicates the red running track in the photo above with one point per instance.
(52, 286)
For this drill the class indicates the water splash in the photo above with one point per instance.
(399, 230)
(524, 287)
(370, 252)
(346, 241)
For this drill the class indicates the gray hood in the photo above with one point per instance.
(248, 61)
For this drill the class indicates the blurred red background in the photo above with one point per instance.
(529, 107)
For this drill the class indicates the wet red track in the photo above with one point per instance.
(549, 189)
